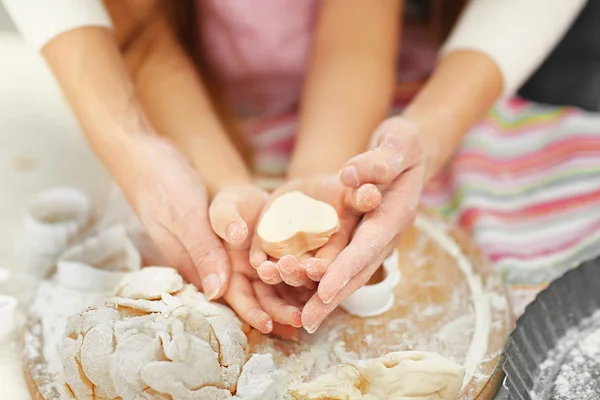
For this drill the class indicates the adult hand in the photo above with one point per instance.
(395, 164)
(309, 268)
(172, 204)
(234, 212)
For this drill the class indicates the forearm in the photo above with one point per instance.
(349, 84)
(462, 89)
(89, 68)
(178, 105)
(494, 48)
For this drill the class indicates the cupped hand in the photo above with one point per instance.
(395, 164)
(309, 268)
(234, 212)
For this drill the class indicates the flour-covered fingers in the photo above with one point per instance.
(316, 267)
(257, 254)
(226, 219)
(315, 311)
(269, 273)
(275, 306)
(241, 298)
(374, 233)
(291, 270)
(396, 147)
(365, 198)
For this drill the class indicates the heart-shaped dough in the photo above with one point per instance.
(295, 224)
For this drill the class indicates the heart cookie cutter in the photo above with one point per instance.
(372, 300)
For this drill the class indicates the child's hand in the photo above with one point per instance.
(395, 164)
(309, 268)
(233, 214)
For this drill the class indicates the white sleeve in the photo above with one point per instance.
(41, 20)
(517, 35)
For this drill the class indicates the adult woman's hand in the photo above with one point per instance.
(310, 267)
(234, 212)
(395, 164)
(172, 203)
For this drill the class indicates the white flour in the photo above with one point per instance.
(572, 369)
(481, 301)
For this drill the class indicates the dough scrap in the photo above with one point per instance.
(150, 283)
(404, 375)
(172, 346)
(295, 224)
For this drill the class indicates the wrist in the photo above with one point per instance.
(218, 163)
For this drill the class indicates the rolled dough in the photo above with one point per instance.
(403, 375)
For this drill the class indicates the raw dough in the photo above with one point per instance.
(403, 375)
(295, 224)
(164, 342)
(150, 283)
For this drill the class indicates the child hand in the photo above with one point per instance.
(310, 267)
(396, 165)
(233, 214)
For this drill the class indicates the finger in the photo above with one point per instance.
(315, 311)
(291, 271)
(176, 255)
(257, 254)
(207, 253)
(286, 332)
(226, 219)
(365, 198)
(316, 267)
(377, 230)
(275, 306)
(269, 273)
(397, 150)
(242, 299)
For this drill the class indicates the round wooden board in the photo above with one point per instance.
(434, 311)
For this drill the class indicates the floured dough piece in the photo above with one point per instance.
(177, 346)
(150, 283)
(99, 262)
(295, 224)
(403, 375)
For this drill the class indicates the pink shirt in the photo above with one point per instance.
(260, 50)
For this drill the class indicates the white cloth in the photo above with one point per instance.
(517, 35)
(41, 20)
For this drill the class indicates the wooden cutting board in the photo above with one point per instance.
(449, 301)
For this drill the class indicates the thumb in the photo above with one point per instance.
(226, 220)
(208, 255)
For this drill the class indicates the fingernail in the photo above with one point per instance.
(211, 286)
(350, 176)
(312, 329)
(269, 326)
(236, 232)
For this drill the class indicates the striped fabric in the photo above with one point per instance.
(525, 183)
